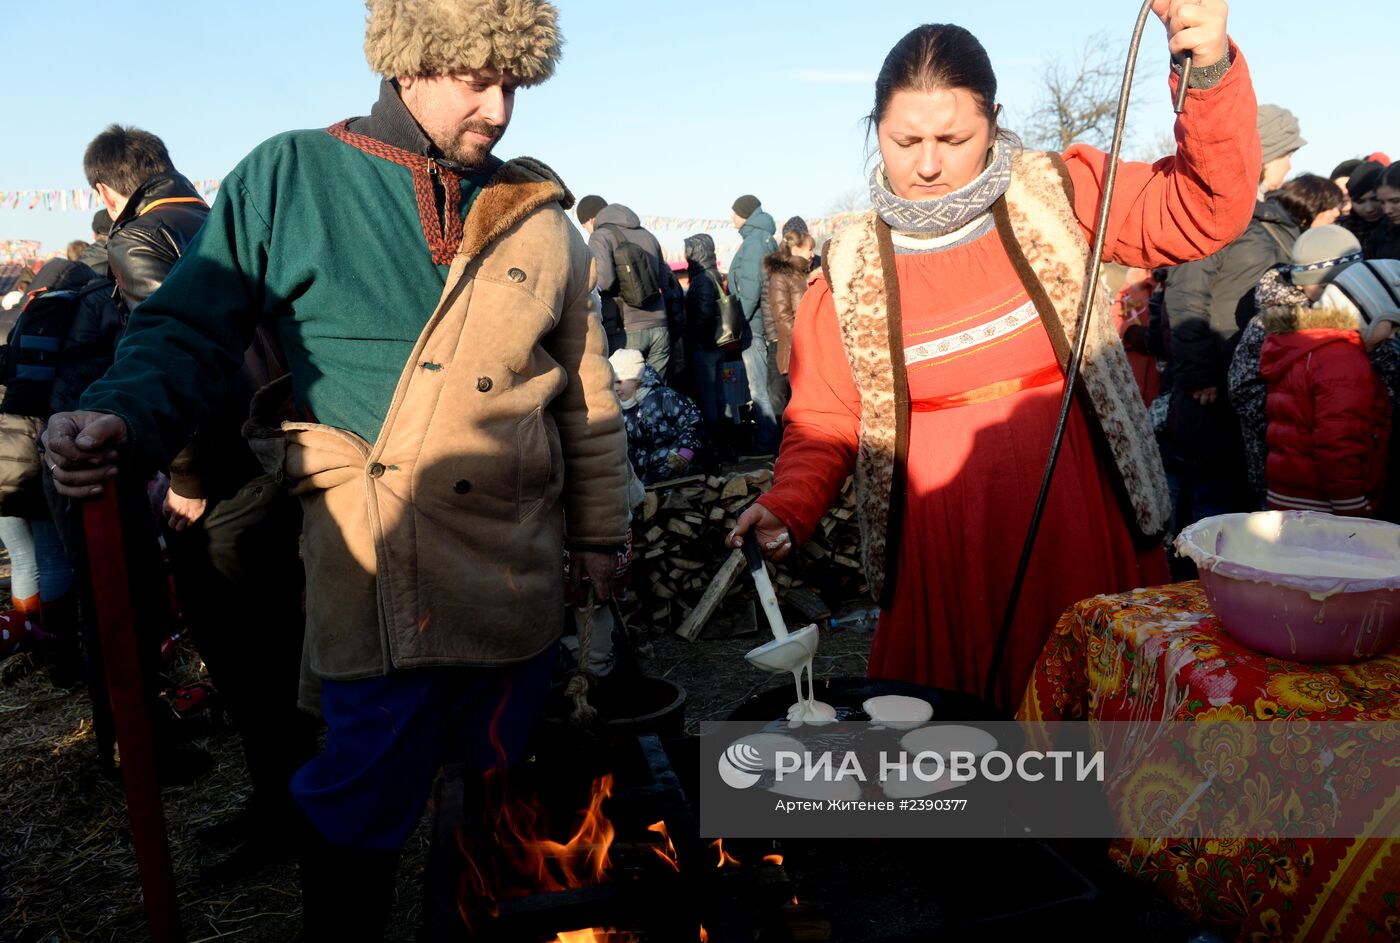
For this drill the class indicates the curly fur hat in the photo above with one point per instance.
(438, 37)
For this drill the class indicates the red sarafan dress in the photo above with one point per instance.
(983, 411)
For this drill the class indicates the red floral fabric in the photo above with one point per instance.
(1160, 653)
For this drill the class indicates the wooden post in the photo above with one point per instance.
(712, 597)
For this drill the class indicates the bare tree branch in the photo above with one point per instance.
(855, 200)
(1079, 99)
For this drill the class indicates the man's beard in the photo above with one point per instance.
(474, 153)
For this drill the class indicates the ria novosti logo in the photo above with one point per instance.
(740, 766)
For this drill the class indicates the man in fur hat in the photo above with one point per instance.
(453, 418)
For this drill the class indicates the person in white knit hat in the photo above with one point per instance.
(665, 431)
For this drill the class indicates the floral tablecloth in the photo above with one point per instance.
(1160, 654)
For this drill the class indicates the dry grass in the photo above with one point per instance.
(65, 845)
(70, 874)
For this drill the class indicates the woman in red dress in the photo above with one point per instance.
(930, 360)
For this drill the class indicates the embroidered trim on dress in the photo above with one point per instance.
(972, 337)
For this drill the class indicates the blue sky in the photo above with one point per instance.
(674, 109)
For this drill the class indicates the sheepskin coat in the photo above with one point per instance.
(454, 421)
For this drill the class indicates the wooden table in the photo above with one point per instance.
(1160, 653)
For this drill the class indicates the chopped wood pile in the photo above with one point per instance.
(683, 573)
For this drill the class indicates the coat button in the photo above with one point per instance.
(483, 384)
(462, 486)
(516, 275)
(376, 470)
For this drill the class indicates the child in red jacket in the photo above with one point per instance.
(1328, 413)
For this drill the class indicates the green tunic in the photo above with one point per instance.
(309, 231)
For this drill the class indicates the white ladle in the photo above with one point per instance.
(789, 651)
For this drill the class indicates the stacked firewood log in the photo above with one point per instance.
(683, 573)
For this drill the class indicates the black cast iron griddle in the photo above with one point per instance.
(847, 694)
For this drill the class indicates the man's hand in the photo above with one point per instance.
(81, 451)
(1381, 332)
(598, 568)
(1206, 396)
(180, 511)
(1197, 27)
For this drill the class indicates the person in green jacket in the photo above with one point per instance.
(449, 421)
(746, 282)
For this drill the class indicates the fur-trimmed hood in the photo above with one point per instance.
(439, 37)
(1286, 319)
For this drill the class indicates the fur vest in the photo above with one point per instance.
(1038, 227)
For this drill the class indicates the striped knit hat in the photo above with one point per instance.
(1322, 252)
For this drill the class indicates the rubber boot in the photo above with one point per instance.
(31, 609)
(15, 634)
(346, 893)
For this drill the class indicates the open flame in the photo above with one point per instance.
(594, 935)
(554, 866)
(524, 859)
(778, 860)
(725, 858)
(669, 855)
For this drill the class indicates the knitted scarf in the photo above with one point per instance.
(944, 215)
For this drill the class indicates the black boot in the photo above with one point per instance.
(346, 893)
(61, 653)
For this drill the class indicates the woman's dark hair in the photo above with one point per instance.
(935, 56)
(791, 240)
(1390, 177)
(1307, 195)
(1345, 168)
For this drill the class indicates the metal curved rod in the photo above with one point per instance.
(1086, 308)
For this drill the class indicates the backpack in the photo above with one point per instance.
(636, 275)
(29, 363)
(1373, 286)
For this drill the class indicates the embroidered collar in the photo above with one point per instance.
(390, 132)
(443, 233)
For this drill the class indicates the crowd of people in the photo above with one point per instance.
(415, 476)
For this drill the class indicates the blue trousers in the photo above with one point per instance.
(755, 356)
(387, 737)
(38, 565)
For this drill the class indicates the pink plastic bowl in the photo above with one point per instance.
(1301, 585)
